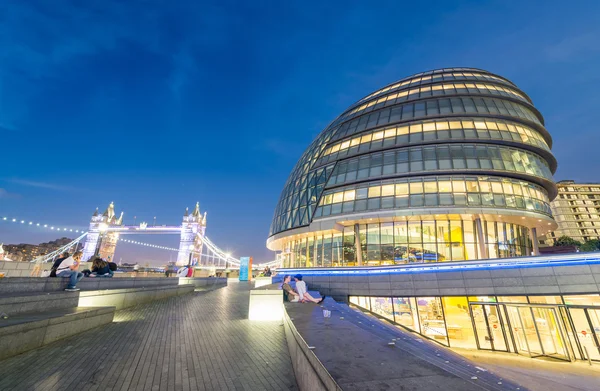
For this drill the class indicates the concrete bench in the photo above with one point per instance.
(23, 332)
(204, 283)
(125, 298)
(40, 311)
(19, 303)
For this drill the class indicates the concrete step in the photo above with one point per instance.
(19, 303)
(27, 331)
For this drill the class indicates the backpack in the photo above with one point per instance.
(113, 266)
(55, 266)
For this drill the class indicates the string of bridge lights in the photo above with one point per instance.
(148, 244)
(217, 253)
(41, 225)
(171, 249)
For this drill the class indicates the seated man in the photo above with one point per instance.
(303, 291)
(68, 269)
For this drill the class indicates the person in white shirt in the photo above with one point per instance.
(68, 269)
(182, 272)
(302, 291)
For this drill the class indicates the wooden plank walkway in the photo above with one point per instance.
(200, 341)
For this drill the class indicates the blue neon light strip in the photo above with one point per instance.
(519, 263)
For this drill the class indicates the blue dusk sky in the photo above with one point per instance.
(158, 104)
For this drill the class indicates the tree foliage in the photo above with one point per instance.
(591, 245)
(566, 241)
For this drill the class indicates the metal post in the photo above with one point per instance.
(357, 245)
(481, 239)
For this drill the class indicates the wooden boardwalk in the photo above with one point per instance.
(200, 341)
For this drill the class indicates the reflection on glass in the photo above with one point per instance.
(431, 317)
(383, 307)
(405, 313)
(458, 322)
(586, 331)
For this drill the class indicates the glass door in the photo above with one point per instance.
(550, 333)
(489, 326)
(518, 330)
(538, 331)
(587, 327)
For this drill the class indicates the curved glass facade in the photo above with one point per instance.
(454, 142)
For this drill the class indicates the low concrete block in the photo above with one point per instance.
(38, 302)
(32, 331)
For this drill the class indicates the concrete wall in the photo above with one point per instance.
(125, 298)
(23, 336)
(52, 284)
(310, 373)
(554, 280)
(204, 283)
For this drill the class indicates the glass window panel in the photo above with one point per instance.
(382, 306)
(416, 187)
(430, 187)
(374, 191)
(431, 317)
(458, 322)
(405, 313)
(445, 186)
(387, 190)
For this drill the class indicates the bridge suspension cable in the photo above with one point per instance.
(217, 251)
(67, 247)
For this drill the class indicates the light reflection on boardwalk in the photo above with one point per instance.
(200, 341)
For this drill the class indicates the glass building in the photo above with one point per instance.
(446, 165)
(577, 211)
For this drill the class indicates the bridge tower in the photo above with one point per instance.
(193, 226)
(99, 241)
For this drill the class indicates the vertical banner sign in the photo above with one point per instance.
(245, 268)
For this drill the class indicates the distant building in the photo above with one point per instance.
(576, 209)
(25, 252)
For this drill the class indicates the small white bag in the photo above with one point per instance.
(45, 273)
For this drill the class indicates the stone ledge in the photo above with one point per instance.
(310, 372)
(25, 332)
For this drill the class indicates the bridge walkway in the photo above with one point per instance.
(200, 341)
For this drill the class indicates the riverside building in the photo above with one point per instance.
(447, 165)
(422, 204)
(576, 209)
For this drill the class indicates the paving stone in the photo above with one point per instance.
(199, 341)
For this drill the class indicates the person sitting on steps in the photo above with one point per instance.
(303, 291)
(68, 269)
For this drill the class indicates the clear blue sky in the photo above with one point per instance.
(156, 105)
